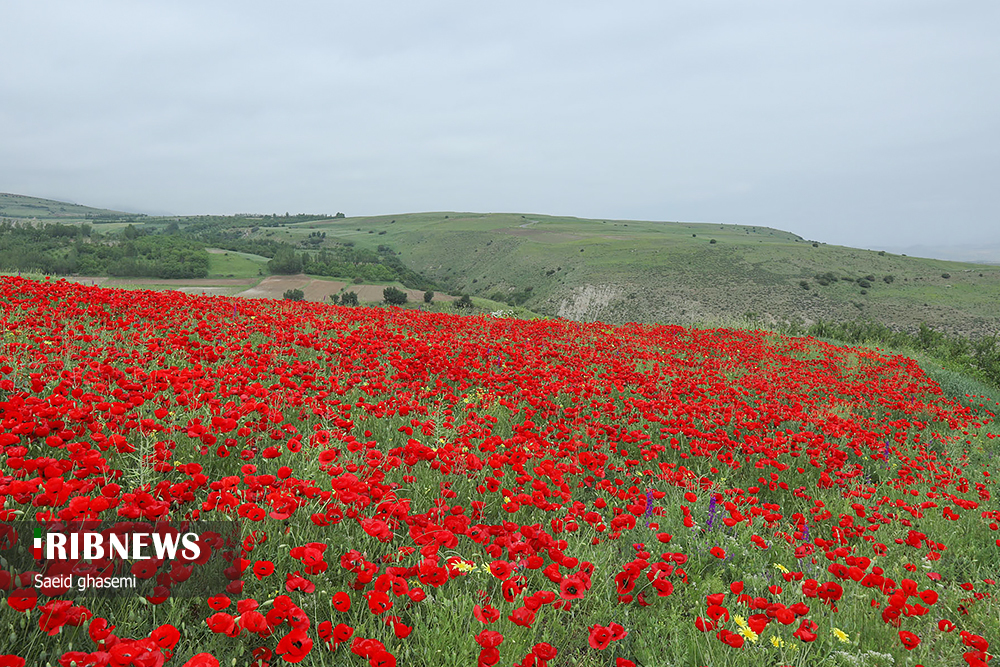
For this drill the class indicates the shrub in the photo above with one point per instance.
(428, 296)
(394, 296)
(804, 284)
(294, 295)
(349, 299)
(825, 279)
(465, 303)
(713, 241)
(888, 279)
(946, 275)
(863, 282)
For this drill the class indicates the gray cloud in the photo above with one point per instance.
(858, 123)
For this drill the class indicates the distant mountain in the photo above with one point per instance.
(982, 254)
(22, 206)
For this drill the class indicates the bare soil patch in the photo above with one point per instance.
(373, 294)
(274, 287)
(190, 282)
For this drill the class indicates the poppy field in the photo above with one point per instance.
(417, 488)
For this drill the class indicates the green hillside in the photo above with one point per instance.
(618, 271)
(582, 269)
(21, 206)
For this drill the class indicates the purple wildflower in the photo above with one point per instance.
(711, 513)
(649, 508)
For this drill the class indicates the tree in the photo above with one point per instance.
(285, 262)
(294, 295)
(393, 296)
(464, 303)
(428, 296)
(349, 299)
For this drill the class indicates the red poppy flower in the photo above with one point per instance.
(486, 614)
(488, 657)
(716, 612)
(342, 632)
(544, 651)
(294, 646)
(522, 616)
(489, 639)
(730, 638)
(166, 637)
(202, 660)
(704, 625)
(944, 625)
(910, 640)
(220, 623)
(600, 637)
(263, 568)
(99, 630)
(341, 601)
(806, 631)
(23, 599)
(572, 588)
(501, 569)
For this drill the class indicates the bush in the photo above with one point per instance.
(349, 299)
(394, 296)
(294, 295)
(946, 275)
(888, 279)
(428, 296)
(825, 279)
(465, 303)
(713, 241)
(863, 282)
(804, 284)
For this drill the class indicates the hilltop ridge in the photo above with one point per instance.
(589, 269)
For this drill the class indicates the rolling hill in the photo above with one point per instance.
(614, 270)
(628, 270)
(50, 210)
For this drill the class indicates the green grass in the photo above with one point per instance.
(630, 270)
(232, 264)
(670, 272)
(21, 206)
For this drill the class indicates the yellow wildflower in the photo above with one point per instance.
(777, 642)
(465, 567)
(781, 567)
(841, 635)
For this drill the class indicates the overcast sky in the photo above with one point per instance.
(866, 123)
